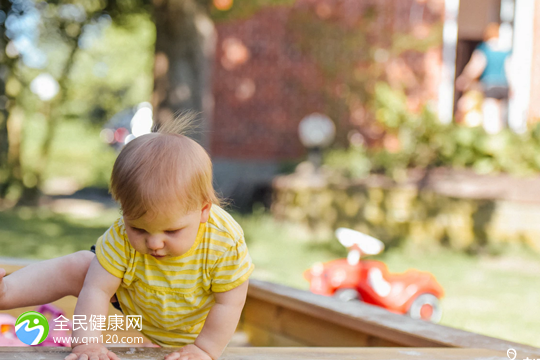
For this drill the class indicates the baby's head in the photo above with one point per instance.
(163, 182)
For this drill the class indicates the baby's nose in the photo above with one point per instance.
(154, 243)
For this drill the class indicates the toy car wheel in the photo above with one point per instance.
(426, 307)
(347, 295)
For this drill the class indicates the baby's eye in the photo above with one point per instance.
(172, 232)
(138, 230)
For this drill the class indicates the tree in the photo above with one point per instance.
(31, 33)
(184, 55)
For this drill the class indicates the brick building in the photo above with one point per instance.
(286, 62)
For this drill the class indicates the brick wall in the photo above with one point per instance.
(259, 102)
(264, 84)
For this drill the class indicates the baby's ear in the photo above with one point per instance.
(205, 212)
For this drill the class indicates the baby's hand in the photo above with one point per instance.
(91, 352)
(188, 352)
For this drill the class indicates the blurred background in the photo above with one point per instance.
(414, 121)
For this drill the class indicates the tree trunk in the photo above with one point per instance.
(11, 123)
(4, 148)
(5, 72)
(185, 47)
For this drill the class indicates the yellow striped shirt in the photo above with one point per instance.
(175, 295)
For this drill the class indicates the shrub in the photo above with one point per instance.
(418, 140)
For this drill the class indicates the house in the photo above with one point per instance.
(286, 62)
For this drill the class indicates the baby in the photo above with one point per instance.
(174, 257)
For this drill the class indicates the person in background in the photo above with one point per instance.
(490, 64)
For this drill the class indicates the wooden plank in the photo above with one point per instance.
(317, 333)
(371, 320)
(262, 313)
(304, 329)
(276, 354)
(263, 337)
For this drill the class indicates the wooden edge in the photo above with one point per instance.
(263, 353)
(378, 322)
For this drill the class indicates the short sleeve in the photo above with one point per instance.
(112, 250)
(232, 268)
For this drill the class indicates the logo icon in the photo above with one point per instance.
(511, 353)
(32, 328)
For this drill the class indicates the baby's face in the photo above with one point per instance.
(170, 234)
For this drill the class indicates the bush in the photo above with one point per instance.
(419, 140)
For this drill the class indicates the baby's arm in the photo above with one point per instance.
(219, 326)
(99, 286)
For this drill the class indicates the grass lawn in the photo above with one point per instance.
(495, 296)
(42, 234)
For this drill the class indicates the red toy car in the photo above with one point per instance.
(413, 292)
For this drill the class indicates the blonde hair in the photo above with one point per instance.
(163, 170)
